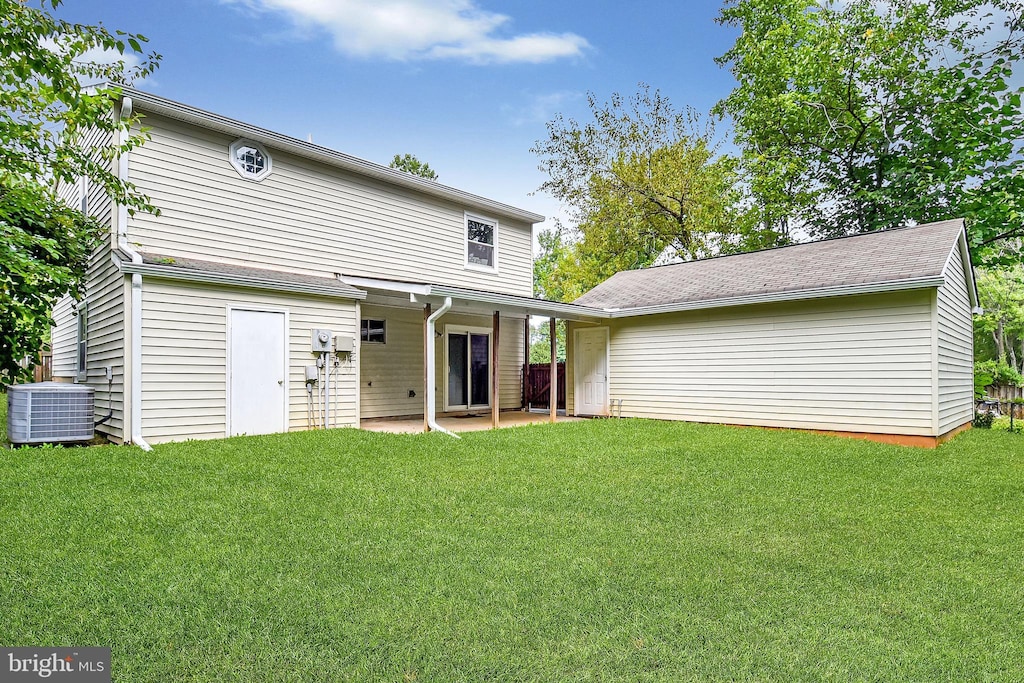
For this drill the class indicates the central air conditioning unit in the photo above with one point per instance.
(49, 412)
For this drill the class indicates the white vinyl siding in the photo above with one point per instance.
(106, 307)
(184, 355)
(857, 364)
(389, 371)
(62, 339)
(512, 349)
(307, 217)
(97, 201)
(955, 347)
(104, 304)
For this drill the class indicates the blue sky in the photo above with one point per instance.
(465, 85)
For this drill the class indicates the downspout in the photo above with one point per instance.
(136, 295)
(432, 370)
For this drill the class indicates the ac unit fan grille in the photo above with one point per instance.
(59, 416)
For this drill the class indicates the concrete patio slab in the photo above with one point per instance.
(468, 423)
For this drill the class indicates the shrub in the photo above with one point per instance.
(983, 420)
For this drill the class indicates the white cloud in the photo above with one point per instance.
(406, 30)
(540, 108)
(98, 55)
(101, 57)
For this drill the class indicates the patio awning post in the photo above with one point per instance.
(554, 368)
(495, 370)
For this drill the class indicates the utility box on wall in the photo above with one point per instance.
(321, 341)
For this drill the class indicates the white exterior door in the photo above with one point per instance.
(591, 369)
(257, 372)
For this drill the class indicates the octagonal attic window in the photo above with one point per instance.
(250, 159)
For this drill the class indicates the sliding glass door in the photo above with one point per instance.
(468, 352)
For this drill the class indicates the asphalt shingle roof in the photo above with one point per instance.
(255, 274)
(873, 258)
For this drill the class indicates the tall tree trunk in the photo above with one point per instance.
(1000, 340)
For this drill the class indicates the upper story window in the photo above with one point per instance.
(250, 159)
(481, 243)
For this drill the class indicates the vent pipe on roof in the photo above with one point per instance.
(432, 369)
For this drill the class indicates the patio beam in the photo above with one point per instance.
(426, 389)
(495, 370)
(554, 368)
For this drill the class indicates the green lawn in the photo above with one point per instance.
(596, 551)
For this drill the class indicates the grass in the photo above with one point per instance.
(596, 551)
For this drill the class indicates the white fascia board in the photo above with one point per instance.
(207, 277)
(965, 256)
(774, 297)
(510, 303)
(223, 124)
(551, 309)
(387, 285)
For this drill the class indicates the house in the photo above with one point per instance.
(869, 335)
(205, 321)
(285, 286)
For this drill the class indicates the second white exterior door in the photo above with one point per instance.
(591, 369)
(257, 372)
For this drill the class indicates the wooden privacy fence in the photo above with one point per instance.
(1005, 396)
(537, 385)
(43, 372)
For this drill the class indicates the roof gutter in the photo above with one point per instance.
(774, 297)
(209, 277)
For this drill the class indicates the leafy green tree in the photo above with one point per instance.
(540, 343)
(44, 114)
(410, 164)
(999, 331)
(864, 114)
(642, 181)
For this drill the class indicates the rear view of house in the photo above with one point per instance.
(286, 285)
(868, 335)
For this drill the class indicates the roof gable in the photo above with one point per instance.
(878, 261)
(145, 101)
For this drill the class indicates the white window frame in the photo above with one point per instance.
(463, 329)
(82, 342)
(465, 235)
(240, 168)
(384, 330)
